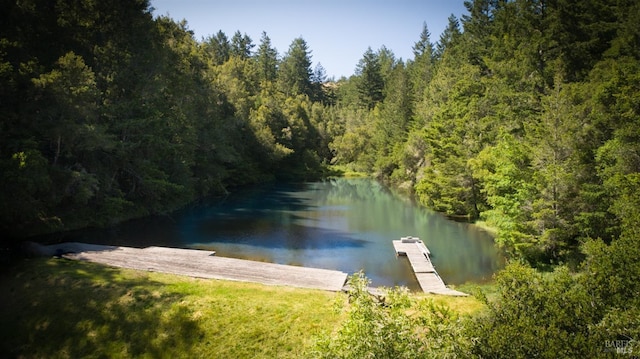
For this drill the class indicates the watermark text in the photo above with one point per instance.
(620, 346)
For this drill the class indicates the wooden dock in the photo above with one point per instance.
(418, 254)
(203, 264)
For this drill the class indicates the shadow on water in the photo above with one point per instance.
(342, 224)
(271, 234)
(272, 218)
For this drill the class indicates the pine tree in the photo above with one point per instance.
(241, 45)
(219, 47)
(423, 62)
(267, 58)
(391, 124)
(449, 37)
(318, 79)
(370, 82)
(294, 75)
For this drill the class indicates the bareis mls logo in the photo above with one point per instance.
(623, 346)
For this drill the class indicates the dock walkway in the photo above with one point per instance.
(203, 264)
(418, 254)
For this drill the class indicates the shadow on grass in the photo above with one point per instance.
(60, 308)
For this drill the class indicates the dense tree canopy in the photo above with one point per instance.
(523, 120)
(107, 109)
(527, 120)
(524, 115)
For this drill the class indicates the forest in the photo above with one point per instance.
(523, 116)
(110, 114)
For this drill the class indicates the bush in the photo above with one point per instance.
(395, 325)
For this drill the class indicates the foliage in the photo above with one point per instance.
(267, 59)
(505, 172)
(524, 114)
(563, 315)
(371, 82)
(294, 74)
(397, 326)
(535, 315)
(525, 120)
(122, 114)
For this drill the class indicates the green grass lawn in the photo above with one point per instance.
(57, 308)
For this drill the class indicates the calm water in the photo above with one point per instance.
(343, 224)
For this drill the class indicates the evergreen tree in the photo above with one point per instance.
(449, 37)
(478, 26)
(580, 33)
(424, 47)
(370, 82)
(267, 58)
(71, 88)
(318, 79)
(390, 127)
(449, 120)
(388, 61)
(241, 45)
(557, 172)
(239, 79)
(423, 63)
(319, 75)
(219, 47)
(294, 75)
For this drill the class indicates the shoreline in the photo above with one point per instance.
(198, 264)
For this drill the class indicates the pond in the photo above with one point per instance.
(342, 224)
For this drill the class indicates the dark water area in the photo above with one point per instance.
(342, 224)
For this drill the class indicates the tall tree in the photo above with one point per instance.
(423, 61)
(319, 74)
(72, 89)
(392, 122)
(388, 61)
(580, 32)
(449, 121)
(241, 45)
(220, 47)
(478, 26)
(318, 79)
(423, 47)
(370, 81)
(449, 36)
(294, 75)
(558, 169)
(267, 58)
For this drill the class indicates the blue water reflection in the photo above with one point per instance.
(343, 224)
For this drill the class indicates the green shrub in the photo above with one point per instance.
(395, 325)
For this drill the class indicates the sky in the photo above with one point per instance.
(338, 32)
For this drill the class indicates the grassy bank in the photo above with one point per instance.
(486, 227)
(346, 171)
(57, 308)
(65, 309)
